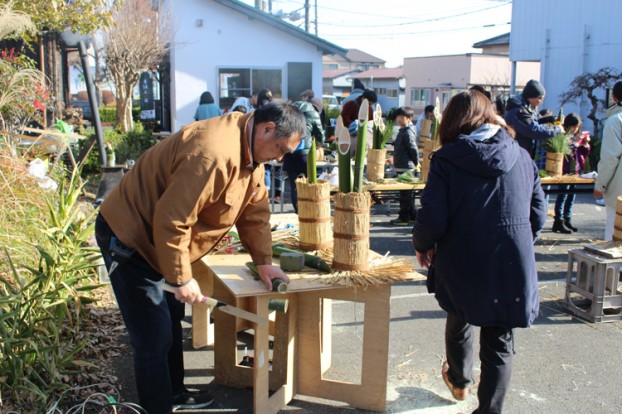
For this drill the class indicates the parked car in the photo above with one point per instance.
(331, 102)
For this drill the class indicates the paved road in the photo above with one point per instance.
(563, 365)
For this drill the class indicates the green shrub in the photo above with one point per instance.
(41, 305)
(128, 146)
(108, 114)
(133, 144)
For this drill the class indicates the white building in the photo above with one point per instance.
(231, 49)
(568, 38)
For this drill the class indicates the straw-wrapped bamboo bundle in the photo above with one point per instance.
(314, 214)
(351, 231)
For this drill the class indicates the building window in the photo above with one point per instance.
(419, 97)
(330, 66)
(236, 82)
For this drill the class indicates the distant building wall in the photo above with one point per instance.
(569, 38)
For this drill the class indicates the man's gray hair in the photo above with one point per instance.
(289, 120)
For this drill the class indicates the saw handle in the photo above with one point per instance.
(211, 302)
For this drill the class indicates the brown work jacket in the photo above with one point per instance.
(185, 193)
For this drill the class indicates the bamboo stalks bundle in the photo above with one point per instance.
(377, 155)
(554, 164)
(426, 130)
(376, 159)
(429, 146)
(351, 231)
(314, 214)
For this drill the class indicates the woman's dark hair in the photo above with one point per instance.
(500, 103)
(206, 98)
(288, 119)
(465, 112)
(369, 95)
(264, 96)
(572, 120)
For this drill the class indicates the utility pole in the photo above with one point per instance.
(306, 15)
(315, 7)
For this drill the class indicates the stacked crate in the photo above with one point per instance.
(593, 286)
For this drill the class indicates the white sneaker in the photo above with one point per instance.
(600, 201)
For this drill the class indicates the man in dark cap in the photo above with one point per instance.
(521, 114)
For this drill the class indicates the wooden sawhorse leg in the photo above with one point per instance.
(371, 393)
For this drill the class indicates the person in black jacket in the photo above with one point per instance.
(405, 158)
(521, 114)
(295, 164)
(481, 210)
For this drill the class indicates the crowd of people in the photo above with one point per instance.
(482, 207)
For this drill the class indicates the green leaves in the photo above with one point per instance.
(41, 305)
(557, 144)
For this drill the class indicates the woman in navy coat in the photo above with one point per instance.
(481, 211)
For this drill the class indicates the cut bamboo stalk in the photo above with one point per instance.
(345, 169)
(361, 146)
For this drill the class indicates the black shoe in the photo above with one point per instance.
(558, 227)
(399, 222)
(569, 225)
(191, 399)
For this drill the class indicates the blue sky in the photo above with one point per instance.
(394, 29)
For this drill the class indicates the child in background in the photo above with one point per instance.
(574, 164)
(405, 158)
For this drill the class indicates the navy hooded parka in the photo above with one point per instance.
(482, 208)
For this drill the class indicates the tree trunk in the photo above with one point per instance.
(125, 122)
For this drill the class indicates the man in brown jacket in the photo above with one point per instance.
(172, 208)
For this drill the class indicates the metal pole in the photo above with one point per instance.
(90, 88)
(306, 15)
(315, 17)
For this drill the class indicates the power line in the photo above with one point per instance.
(376, 15)
(376, 35)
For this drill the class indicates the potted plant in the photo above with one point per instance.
(557, 148)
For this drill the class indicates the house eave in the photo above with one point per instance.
(252, 13)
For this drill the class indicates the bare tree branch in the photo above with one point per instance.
(138, 42)
(586, 85)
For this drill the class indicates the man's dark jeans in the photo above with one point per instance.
(153, 320)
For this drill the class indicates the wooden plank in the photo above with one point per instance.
(232, 271)
(262, 402)
(55, 132)
(202, 330)
(566, 180)
(608, 249)
(226, 370)
(370, 394)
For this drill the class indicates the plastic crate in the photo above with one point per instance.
(593, 287)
